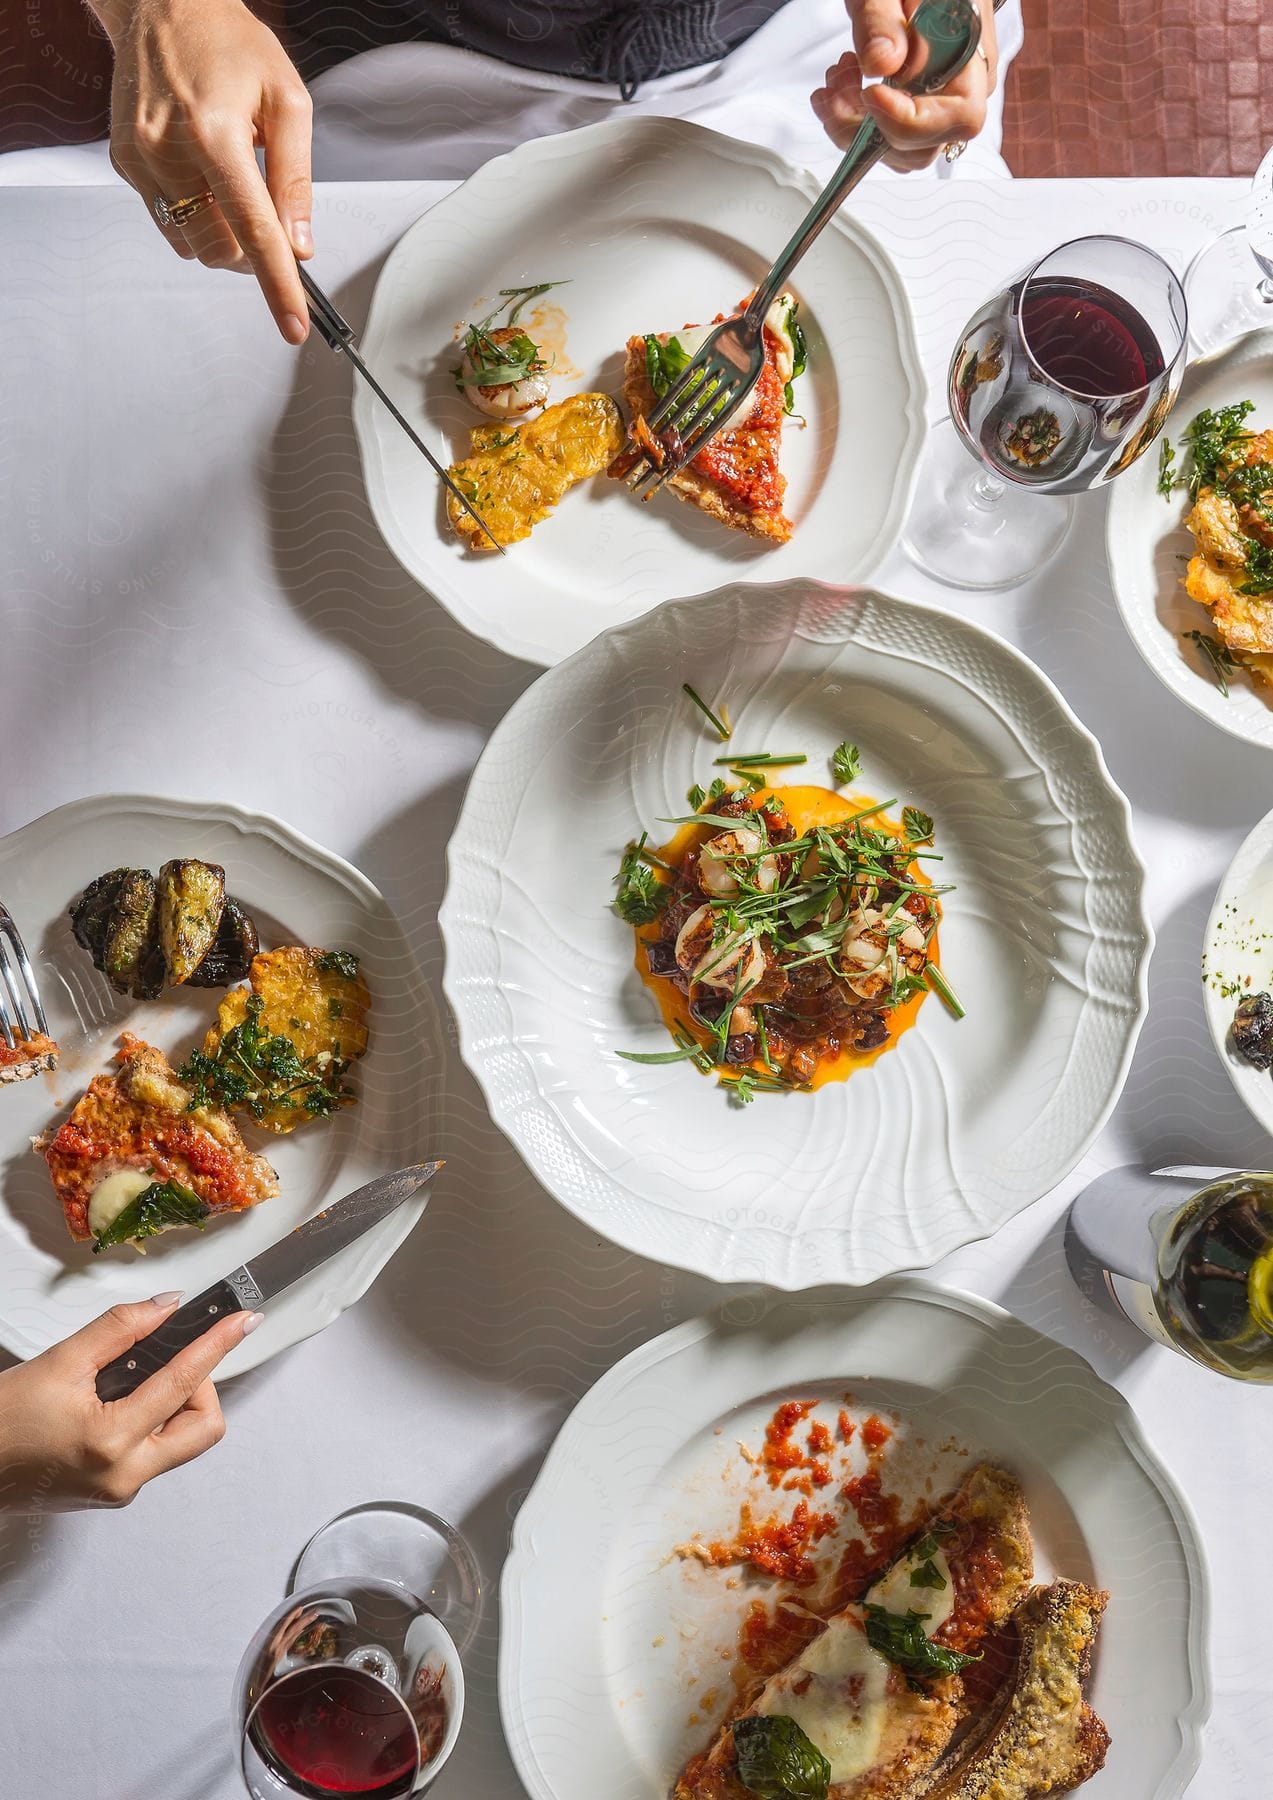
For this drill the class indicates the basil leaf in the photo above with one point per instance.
(928, 1575)
(664, 363)
(338, 962)
(901, 1638)
(162, 1204)
(778, 1762)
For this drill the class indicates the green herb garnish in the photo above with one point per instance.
(262, 1071)
(161, 1204)
(721, 729)
(338, 962)
(763, 760)
(939, 984)
(799, 355)
(1213, 440)
(846, 763)
(1217, 655)
(664, 363)
(901, 1638)
(917, 825)
(641, 896)
(777, 1761)
(1166, 469)
(928, 1575)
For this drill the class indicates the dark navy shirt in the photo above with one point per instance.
(624, 42)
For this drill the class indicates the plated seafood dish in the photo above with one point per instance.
(1227, 472)
(521, 467)
(789, 934)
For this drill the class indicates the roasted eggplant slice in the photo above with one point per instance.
(129, 930)
(230, 957)
(90, 915)
(191, 899)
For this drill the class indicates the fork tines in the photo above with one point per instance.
(693, 410)
(21, 1011)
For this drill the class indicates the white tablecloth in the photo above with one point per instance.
(193, 600)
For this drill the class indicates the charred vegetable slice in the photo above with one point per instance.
(191, 898)
(231, 955)
(129, 930)
(90, 915)
(1253, 1030)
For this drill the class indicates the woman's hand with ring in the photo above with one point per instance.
(198, 86)
(916, 125)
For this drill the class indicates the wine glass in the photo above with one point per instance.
(1229, 283)
(354, 1683)
(1058, 383)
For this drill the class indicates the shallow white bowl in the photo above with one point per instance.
(1237, 955)
(608, 1640)
(1045, 940)
(654, 223)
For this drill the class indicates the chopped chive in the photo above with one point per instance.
(939, 984)
(722, 730)
(761, 761)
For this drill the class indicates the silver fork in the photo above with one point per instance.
(944, 34)
(19, 996)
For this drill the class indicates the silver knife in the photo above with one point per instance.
(247, 1287)
(340, 335)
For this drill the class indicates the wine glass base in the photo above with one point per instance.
(406, 1545)
(968, 529)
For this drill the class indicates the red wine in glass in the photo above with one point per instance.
(1089, 340)
(1062, 380)
(331, 1732)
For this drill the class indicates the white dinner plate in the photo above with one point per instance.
(297, 893)
(1045, 939)
(1237, 959)
(1148, 544)
(608, 1641)
(654, 223)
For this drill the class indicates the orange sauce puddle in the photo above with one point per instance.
(807, 807)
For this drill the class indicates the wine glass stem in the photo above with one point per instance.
(987, 491)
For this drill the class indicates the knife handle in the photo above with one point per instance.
(116, 1380)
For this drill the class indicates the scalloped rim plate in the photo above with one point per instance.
(1238, 947)
(654, 222)
(1145, 535)
(49, 1286)
(607, 1641)
(950, 1132)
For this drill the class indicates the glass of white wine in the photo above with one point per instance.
(1188, 1255)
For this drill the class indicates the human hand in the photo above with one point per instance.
(199, 84)
(61, 1447)
(916, 125)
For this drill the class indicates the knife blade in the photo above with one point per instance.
(339, 334)
(247, 1287)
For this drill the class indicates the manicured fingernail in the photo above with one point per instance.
(169, 1299)
(251, 1322)
(302, 237)
(295, 330)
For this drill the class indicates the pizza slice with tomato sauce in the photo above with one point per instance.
(736, 475)
(872, 1702)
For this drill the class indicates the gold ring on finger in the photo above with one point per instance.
(952, 152)
(180, 212)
